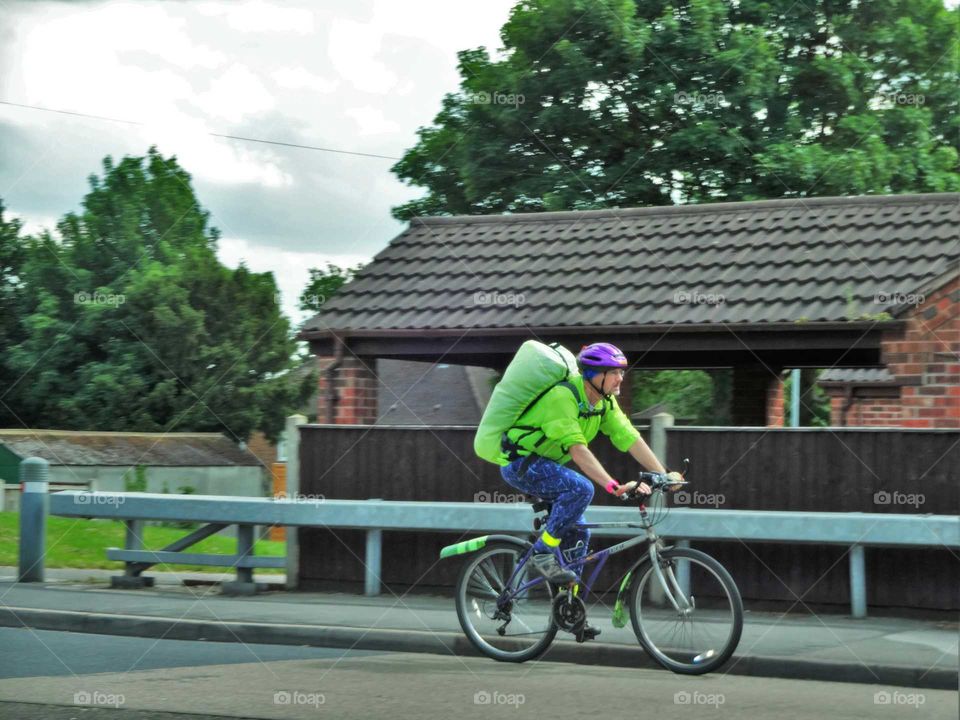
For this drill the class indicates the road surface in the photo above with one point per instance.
(57, 676)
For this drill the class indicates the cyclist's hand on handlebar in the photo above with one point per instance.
(675, 477)
(631, 488)
(624, 489)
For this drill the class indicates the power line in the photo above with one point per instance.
(305, 147)
(219, 135)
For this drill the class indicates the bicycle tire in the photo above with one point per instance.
(736, 608)
(523, 652)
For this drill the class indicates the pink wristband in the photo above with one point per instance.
(612, 486)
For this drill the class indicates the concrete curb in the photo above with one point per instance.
(448, 643)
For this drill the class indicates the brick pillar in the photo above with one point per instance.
(754, 396)
(355, 386)
(926, 357)
(838, 401)
(775, 403)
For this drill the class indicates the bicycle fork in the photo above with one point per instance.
(668, 582)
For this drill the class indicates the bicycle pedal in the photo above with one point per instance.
(587, 633)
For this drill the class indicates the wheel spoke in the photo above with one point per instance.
(525, 620)
(699, 639)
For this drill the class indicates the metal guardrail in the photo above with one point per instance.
(855, 530)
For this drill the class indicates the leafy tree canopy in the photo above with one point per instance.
(619, 103)
(127, 320)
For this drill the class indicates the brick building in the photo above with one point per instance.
(759, 287)
(919, 386)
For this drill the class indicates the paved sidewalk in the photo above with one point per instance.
(891, 651)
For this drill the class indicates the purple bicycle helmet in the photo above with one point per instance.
(601, 356)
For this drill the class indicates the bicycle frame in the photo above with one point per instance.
(668, 581)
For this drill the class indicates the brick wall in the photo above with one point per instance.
(756, 397)
(924, 358)
(929, 353)
(356, 389)
(775, 403)
(866, 411)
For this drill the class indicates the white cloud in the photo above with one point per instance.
(261, 16)
(290, 269)
(35, 224)
(235, 95)
(217, 160)
(299, 78)
(86, 73)
(364, 79)
(353, 50)
(371, 121)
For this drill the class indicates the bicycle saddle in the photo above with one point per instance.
(539, 504)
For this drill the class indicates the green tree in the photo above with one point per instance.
(132, 323)
(612, 103)
(323, 284)
(11, 332)
(689, 393)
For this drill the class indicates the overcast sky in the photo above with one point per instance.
(356, 75)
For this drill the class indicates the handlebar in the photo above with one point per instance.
(658, 482)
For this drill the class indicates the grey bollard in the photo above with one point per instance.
(292, 436)
(373, 560)
(658, 444)
(34, 502)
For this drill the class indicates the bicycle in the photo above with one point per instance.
(512, 614)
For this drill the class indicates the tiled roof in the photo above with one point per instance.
(822, 259)
(858, 376)
(419, 393)
(62, 447)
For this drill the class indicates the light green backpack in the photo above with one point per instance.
(534, 370)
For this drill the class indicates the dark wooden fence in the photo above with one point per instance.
(838, 470)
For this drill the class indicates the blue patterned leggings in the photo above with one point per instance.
(568, 491)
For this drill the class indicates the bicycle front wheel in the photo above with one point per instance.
(701, 633)
(514, 632)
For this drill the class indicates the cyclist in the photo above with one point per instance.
(558, 428)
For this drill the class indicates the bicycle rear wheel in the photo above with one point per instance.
(695, 639)
(527, 623)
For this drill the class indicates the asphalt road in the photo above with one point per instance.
(56, 676)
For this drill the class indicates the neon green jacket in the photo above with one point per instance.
(553, 425)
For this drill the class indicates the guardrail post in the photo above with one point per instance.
(658, 434)
(34, 502)
(858, 582)
(291, 436)
(132, 574)
(658, 444)
(244, 584)
(683, 569)
(373, 560)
